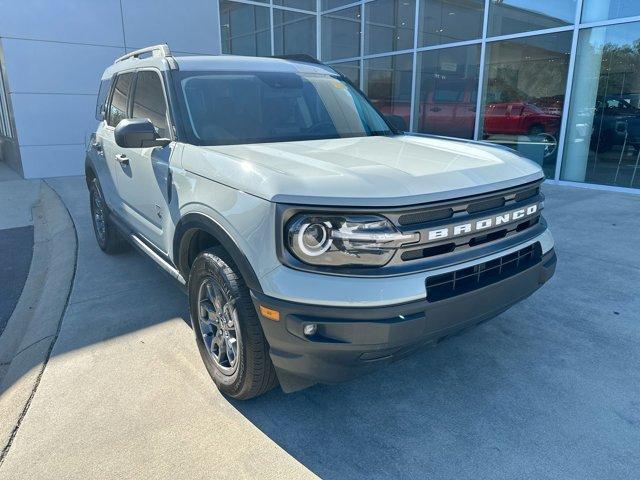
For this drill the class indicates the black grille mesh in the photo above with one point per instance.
(468, 279)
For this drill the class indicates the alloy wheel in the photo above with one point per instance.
(218, 321)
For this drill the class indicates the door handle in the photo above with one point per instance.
(435, 109)
(122, 159)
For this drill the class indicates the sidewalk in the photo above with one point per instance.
(37, 255)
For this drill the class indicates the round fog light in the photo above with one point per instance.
(310, 329)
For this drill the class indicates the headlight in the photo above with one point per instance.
(344, 240)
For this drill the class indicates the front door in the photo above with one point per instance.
(105, 144)
(143, 176)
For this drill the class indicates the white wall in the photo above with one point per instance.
(55, 52)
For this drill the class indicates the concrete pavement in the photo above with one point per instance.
(550, 389)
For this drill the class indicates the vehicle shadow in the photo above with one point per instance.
(455, 410)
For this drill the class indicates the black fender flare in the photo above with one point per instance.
(198, 221)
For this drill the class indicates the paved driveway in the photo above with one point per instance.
(550, 389)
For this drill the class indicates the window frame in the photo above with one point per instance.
(168, 118)
(171, 127)
(114, 82)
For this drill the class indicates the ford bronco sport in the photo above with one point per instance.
(315, 240)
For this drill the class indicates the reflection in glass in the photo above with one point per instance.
(603, 132)
(523, 94)
(515, 16)
(294, 32)
(301, 4)
(351, 70)
(329, 4)
(341, 34)
(244, 29)
(387, 83)
(447, 91)
(149, 102)
(389, 25)
(594, 10)
(447, 21)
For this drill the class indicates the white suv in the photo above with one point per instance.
(315, 240)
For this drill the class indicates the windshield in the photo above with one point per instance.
(233, 108)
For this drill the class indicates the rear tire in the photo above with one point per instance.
(108, 237)
(227, 329)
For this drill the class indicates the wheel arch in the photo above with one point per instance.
(194, 223)
(89, 170)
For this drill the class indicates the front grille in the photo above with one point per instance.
(480, 204)
(446, 215)
(447, 285)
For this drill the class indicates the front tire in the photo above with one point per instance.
(228, 333)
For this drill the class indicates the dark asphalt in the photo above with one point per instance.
(16, 249)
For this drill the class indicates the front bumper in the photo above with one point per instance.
(354, 340)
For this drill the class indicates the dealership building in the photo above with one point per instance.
(557, 80)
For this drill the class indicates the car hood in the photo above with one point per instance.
(363, 171)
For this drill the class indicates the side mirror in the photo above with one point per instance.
(397, 122)
(138, 133)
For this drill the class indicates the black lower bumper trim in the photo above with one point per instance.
(353, 340)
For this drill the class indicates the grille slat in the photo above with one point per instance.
(484, 203)
(448, 285)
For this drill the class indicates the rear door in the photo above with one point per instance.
(143, 179)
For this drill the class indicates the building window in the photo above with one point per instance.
(523, 94)
(351, 70)
(594, 10)
(516, 16)
(603, 132)
(341, 34)
(448, 91)
(293, 33)
(387, 83)
(245, 29)
(389, 25)
(329, 4)
(300, 4)
(5, 125)
(448, 21)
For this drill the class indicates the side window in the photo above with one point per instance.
(149, 102)
(105, 86)
(118, 107)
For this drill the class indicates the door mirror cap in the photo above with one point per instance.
(138, 133)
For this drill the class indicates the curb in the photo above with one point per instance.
(32, 329)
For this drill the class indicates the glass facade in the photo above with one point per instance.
(387, 83)
(516, 16)
(514, 72)
(245, 29)
(294, 32)
(447, 92)
(525, 80)
(603, 131)
(388, 26)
